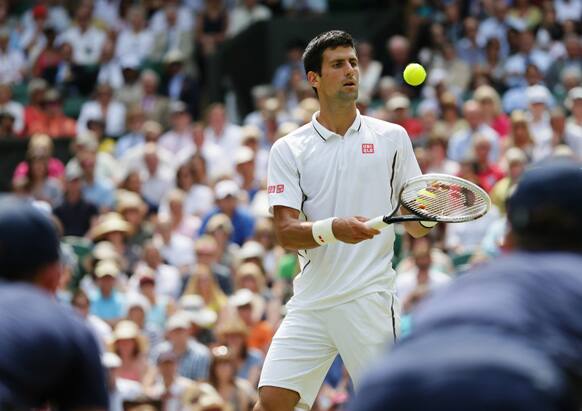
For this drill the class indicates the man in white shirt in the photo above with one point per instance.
(247, 13)
(137, 40)
(349, 166)
(86, 41)
(12, 61)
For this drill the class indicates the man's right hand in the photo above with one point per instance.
(352, 230)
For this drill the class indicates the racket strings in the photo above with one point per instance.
(437, 200)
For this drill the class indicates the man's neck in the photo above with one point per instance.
(337, 117)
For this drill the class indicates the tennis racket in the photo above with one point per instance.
(437, 197)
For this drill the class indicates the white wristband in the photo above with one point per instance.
(428, 224)
(322, 231)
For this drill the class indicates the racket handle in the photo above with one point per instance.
(377, 223)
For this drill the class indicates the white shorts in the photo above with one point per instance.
(307, 342)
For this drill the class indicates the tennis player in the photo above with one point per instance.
(325, 180)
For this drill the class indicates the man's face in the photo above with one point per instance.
(340, 74)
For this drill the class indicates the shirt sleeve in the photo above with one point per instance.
(407, 166)
(283, 178)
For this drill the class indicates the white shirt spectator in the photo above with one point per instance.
(229, 140)
(467, 237)
(101, 329)
(199, 200)
(17, 111)
(542, 134)
(86, 45)
(461, 143)
(133, 159)
(137, 45)
(155, 187)
(406, 282)
(370, 77)
(217, 162)
(110, 73)
(568, 10)
(179, 252)
(574, 137)
(185, 22)
(114, 117)
(518, 62)
(12, 64)
(242, 17)
(176, 142)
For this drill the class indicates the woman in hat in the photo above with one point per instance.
(41, 143)
(203, 283)
(222, 376)
(37, 182)
(233, 333)
(132, 347)
(183, 222)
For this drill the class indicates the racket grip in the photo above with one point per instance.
(377, 223)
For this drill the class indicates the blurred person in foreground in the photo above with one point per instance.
(47, 354)
(505, 336)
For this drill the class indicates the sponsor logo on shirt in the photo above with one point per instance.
(368, 148)
(279, 188)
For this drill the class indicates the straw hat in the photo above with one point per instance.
(109, 223)
(106, 268)
(221, 221)
(233, 325)
(128, 200)
(128, 330)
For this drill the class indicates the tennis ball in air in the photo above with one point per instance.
(414, 74)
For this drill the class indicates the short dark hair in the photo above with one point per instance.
(313, 54)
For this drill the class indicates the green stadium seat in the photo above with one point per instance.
(20, 92)
(72, 106)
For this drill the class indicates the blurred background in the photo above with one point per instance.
(144, 129)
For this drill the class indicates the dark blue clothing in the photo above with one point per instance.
(507, 336)
(47, 353)
(242, 221)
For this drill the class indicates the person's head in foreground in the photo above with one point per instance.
(545, 210)
(331, 66)
(29, 245)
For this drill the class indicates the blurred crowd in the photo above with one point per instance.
(168, 242)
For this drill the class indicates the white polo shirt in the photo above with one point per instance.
(360, 174)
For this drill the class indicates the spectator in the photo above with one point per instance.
(515, 162)
(54, 122)
(468, 49)
(120, 389)
(179, 137)
(203, 283)
(135, 135)
(398, 57)
(245, 14)
(233, 333)
(461, 142)
(103, 107)
(206, 249)
(423, 274)
(293, 62)
(437, 154)
(157, 177)
(154, 106)
(39, 184)
(181, 222)
(251, 283)
(220, 131)
(527, 14)
(222, 376)
(175, 391)
(15, 109)
(137, 40)
(86, 41)
(131, 347)
(161, 19)
(108, 303)
(174, 39)
(7, 130)
(199, 197)
(226, 194)
(178, 85)
(110, 69)
(168, 280)
(245, 170)
(12, 61)
(133, 209)
(33, 111)
(193, 357)
(42, 144)
(175, 248)
(161, 306)
(574, 124)
(538, 99)
(398, 106)
(75, 214)
(490, 103)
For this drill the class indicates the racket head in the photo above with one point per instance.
(444, 198)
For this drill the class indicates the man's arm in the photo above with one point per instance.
(294, 234)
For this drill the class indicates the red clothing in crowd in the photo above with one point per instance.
(56, 169)
(501, 124)
(412, 126)
(489, 176)
(61, 126)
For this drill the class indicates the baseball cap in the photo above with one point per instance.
(573, 94)
(28, 239)
(537, 94)
(180, 320)
(243, 155)
(177, 107)
(251, 249)
(73, 171)
(242, 297)
(398, 102)
(226, 188)
(106, 268)
(545, 207)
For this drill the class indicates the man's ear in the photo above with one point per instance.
(48, 276)
(313, 78)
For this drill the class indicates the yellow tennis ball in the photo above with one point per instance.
(414, 74)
